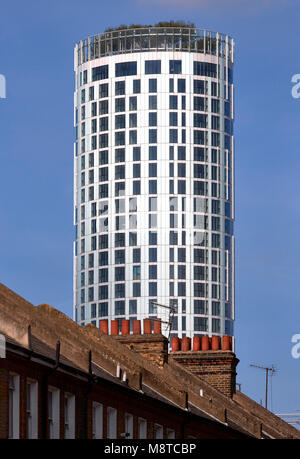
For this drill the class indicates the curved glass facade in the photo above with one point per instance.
(154, 179)
(154, 39)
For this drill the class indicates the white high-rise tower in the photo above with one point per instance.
(154, 178)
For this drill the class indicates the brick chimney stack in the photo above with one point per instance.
(212, 359)
(151, 343)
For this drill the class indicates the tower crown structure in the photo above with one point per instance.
(154, 178)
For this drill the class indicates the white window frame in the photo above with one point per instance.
(142, 428)
(171, 434)
(112, 423)
(14, 406)
(97, 420)
(69, 415)
(128, 425)
(53, 413)
(31, 409)
(158, 431)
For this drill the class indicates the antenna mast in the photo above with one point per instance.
(267, 370)
(171, 315)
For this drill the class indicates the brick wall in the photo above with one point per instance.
(217, 368)
(152, 347)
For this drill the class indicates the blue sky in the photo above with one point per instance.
(36, 173)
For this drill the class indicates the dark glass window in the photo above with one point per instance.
(119, 122)
(132, 103)
(152, 186)
(152, 102)
(173, 119)
(199, 171)
(103, 107)
(173, 238)
(153, 85)
(199, 289)
(181, 169)
(136, 189)
(136, 255)
(132, 137)
(136, 170)
(200, 120)
(152, 170)
(103, 258)
(199, 256)
(132, 120)
(181, 186)
(153, 153)
(152, 67)
(119, 88)
(103, 191)
(132, 306)
(120, 155)
(120, 138)
(200, 307)
(152, 119)
(126, 68)
(152, 254)
(200, 154)
(215, 105)
(152, 238)
(199, 87)
(103, 90)
(103, 241)
(103, 309)
(103, 140)
(103, 292)
(136, 272)
(199, 188)
(136, 291)
(136, 153)
(181, 289)
(200, 137)
(103, 123)
(103, 275)
(181, 153)
(205, 69)
(181, 85)
(173, 136)
(181, 255)
(120, 104)
(119, 273)
(120, 305)
(152, 135)
(103, 157)
(91, 93)
(136, 86)
(173, 102)
(120, 188)
(100, 73)
(200, 103)
(152, 288)
(132, 239)
(175, 66)
(119, 239)
(181, 271)
(119, 257)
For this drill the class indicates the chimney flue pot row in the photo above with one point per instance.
(204, 343)
(136, 327)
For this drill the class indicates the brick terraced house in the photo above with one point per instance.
(61, 380)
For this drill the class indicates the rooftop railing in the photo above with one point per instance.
(155, 39)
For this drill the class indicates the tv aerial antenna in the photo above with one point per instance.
(169, 322)
(268, 370)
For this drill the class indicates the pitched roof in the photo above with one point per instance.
(171, 384)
